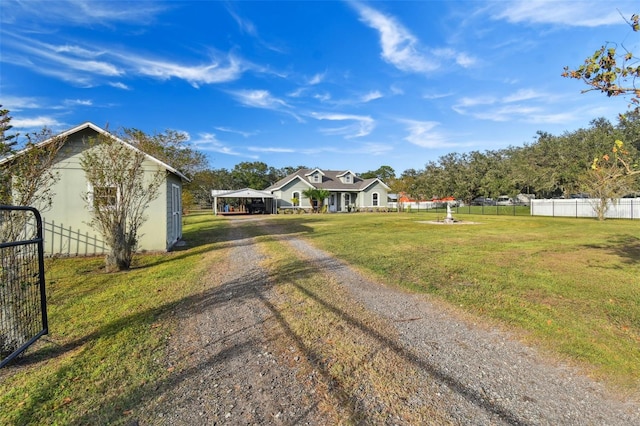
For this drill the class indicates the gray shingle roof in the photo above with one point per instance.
(330, 180)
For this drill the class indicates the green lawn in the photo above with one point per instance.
(107, 335)
(570, 285)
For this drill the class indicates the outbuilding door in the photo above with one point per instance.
(176, 213)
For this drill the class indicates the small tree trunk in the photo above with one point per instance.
(119, 258)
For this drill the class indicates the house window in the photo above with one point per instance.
(347, 179)
(295, 199)
(316, 178)
(105, 196)
(374, 198)
(347, 199)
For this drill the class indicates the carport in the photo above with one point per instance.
(252, 201)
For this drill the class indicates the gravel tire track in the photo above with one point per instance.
(484, 376)
(229, 370)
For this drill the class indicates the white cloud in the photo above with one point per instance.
(465, 61)
(506, 113)
(399, 47)
(524, 105)
(119, 85)
(80, 12)
(372, 148)
(322, 97)
(571, 13)
(371, 96)
(297, 93)
(239, 132)
(524, 95)
(436, 95)
(214, 72)
(249, 28)
(81, 102)
(35, 122)
(244, 24)
(363, 125)
(263, 99)
(317, 79)
(396, 90)
(422, 133)
(272, 150)
(210, 143)
(84, 66)
(15, 103)
(49, 55)
(467, 102)
(62, 63)
(258, 99)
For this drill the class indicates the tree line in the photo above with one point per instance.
(550, 166)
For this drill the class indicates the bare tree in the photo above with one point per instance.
(26, 179)
(121, 193)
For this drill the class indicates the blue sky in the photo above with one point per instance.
(330, 84)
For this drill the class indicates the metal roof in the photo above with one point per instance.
(242, 193)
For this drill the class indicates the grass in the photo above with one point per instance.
(107, 335)
(568, 285)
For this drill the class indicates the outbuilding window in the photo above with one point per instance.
(374, 199)
(100, 197)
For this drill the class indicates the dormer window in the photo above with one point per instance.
(316, 178)
(347, 177)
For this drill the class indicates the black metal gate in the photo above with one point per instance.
(23, 305)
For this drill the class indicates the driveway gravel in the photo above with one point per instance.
(228, 366)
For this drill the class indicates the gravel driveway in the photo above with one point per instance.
(230, 367)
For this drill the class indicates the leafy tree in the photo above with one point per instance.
(28, 175)
(122, 192)
(188, 202)
(319, 195)
(629, 128)
(170, 147)
(7, 141)
(204, 181)
(286, 171)
(409, 183)
(609, 71)
(614, 74)
(322, 195)
(609, 178)
(253, 175)
(384, 173)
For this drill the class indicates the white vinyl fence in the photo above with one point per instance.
(622, 208)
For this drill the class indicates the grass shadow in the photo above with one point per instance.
(626, 247)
